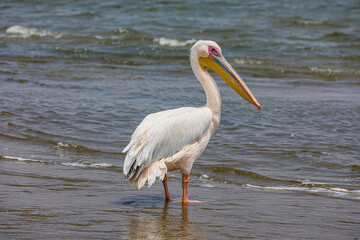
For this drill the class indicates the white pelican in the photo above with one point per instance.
(173, 139)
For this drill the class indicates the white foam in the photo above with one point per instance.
(208, 185)
(280, 188)
(60, 144)
(87, 164)
(308, 182)
(69, 164)
(17, 31)
(122, 30)
(330, 71)
(75, 164)
(324, 189)
(163, 41)
(20, 159)
(99, 37)
(101, 165)
(250, 61)
(307, 22)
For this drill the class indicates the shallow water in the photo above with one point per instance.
(77, 77)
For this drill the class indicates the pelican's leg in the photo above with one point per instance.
(167, 194)
(185, 185)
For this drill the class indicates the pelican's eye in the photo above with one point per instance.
(214, 51)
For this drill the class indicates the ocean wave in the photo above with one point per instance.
(259, 65)
(330, 71)
(20, 159)
(122, 30)
(6, 113)
(256, 180)
(80, 149)
(170, 42)
(336, 36)
(244, 173)
(88, 164)
(308, 22)
(18, 31)
(252, 61)
(319, 189)
(74, 50)
(70, 164)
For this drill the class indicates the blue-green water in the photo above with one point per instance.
(77, 77)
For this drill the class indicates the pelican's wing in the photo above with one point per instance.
(162, 134)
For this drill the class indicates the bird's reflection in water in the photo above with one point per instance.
(171, 222)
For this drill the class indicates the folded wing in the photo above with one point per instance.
(161, 135)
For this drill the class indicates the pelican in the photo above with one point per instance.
(173, 139)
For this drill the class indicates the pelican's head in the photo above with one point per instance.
(210, 56)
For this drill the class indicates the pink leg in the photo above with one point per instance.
(185, 185)
(167, 194)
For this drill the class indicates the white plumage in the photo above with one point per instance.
(161, 135)
(173, 139)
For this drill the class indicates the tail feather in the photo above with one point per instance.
(137, 171)
(148, 175)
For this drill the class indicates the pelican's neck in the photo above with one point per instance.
(213, 99)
